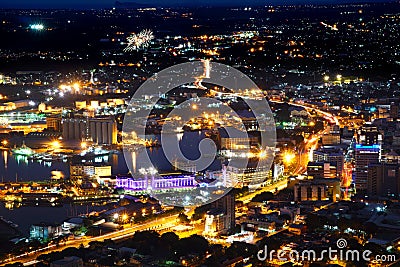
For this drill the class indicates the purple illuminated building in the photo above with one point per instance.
(156, 183)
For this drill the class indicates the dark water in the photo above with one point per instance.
(16, 167)
(25, 216)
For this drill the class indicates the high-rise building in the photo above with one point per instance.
(100, 130)
(53, 122)
(321, 170)
(369, 135)
(383, 179)
(333, 155)
(394, 111)
(333, 137)
(221, 217)
(365, 155)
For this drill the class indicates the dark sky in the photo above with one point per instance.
(109, 3)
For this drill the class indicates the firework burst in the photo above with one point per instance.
(137, 41)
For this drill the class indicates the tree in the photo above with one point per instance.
(370, 228)
(200, 212)
(285, 217)
(241, 249)
(343, 224)
(194, 244)
(319, 126)
(263, 197)
(169, 238)
(146, 242)
(183, 218)
(313, 222)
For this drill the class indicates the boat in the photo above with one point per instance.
(23, 151)
(94, 151)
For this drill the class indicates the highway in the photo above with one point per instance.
(306, 152)
(282, 184)
(311, 143)
(157, 224)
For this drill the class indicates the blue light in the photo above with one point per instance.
(37, 27)
(375, 146)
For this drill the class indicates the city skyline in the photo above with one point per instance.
(174, 3)
(199, 135)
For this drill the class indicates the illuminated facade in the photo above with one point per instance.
(100, 130)
(54, 123)
(79, 171)
(317, 190)
(156, 183)
(365, 155)
(383, 179)
(221, 218)
(45, 231)
(251, 175)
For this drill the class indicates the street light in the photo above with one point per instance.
(288, 157)
(55, 144)
(83, 145)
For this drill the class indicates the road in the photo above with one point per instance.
(282, 184)
(255, 240)
(311, 143)
(157, 224)
(306, 152)
(326, 115)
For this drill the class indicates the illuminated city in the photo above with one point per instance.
(205, 133)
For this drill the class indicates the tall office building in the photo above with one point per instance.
(365, 155)
(101, 130)
(369, 135)
(221, 217)
(333, 137)
(333, 155)
(394, 111)
(53, 122)
(383, 179)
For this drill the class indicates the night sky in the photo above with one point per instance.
(110, 3)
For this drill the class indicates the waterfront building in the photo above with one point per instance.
(53, 122)
(101, 130)
(137, 185)
(45, 231)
